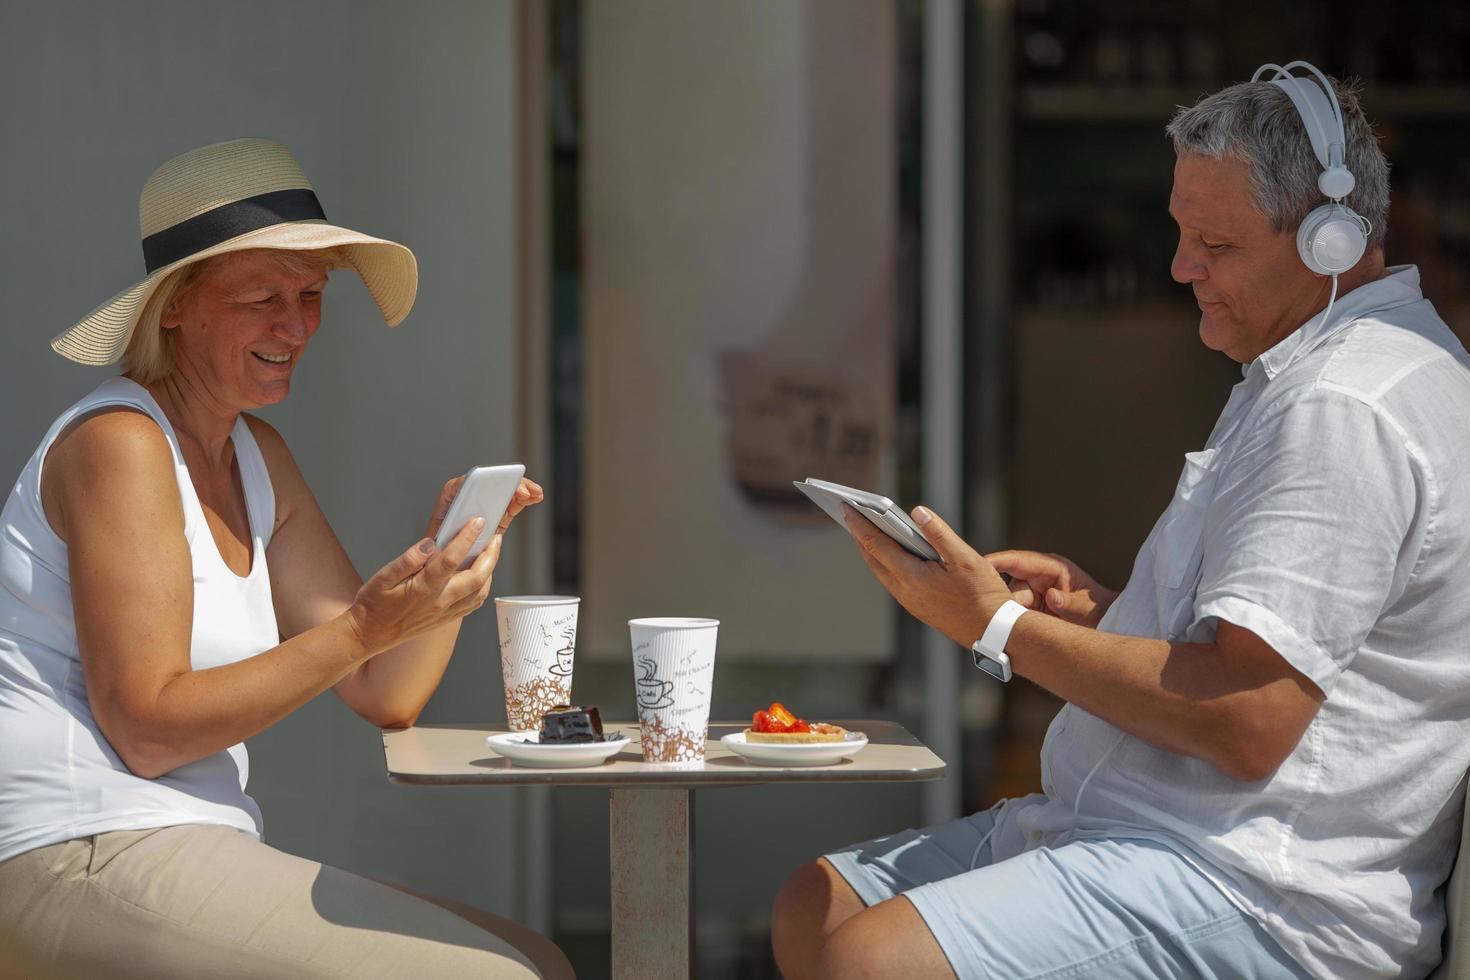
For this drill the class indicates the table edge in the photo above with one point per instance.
(666, 780)
(705, 778)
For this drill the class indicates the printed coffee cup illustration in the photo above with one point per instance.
(563, 665)
(652, 693)
(673, 677)
(538, 638)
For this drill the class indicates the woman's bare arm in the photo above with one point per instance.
(312, 581)
(111, 494)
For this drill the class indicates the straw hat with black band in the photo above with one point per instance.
(226, 197)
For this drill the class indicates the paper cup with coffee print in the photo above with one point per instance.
(538, 636)
(673, 676)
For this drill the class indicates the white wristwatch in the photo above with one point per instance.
(990, 650)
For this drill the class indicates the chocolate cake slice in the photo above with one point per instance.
(569, 724)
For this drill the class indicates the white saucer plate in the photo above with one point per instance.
(811, 754)
(523, 749)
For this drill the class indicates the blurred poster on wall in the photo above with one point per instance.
(739, 221)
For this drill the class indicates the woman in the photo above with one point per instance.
(171, 588)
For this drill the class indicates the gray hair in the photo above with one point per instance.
(1256, 123)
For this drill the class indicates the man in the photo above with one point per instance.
(1258, 771)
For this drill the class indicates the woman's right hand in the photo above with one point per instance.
(1053, 584)
(423, 589)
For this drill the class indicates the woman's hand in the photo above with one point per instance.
(527, 493)
(1053, 584)
(422, 589)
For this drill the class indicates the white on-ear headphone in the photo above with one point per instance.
(1333, 237)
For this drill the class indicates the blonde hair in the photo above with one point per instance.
(149, 355)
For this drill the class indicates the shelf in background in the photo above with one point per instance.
(1102, 103)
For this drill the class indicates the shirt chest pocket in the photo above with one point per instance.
(1179, 547)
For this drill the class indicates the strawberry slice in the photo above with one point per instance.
(781, 716)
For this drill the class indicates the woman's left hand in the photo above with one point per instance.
(527, 493)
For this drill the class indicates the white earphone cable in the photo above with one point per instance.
(1077, 803)
(976, 855)
(1331, 298)
(995, 813)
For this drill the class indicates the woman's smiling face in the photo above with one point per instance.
(244, 324)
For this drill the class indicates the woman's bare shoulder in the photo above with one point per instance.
(109, 436)
(117, 448)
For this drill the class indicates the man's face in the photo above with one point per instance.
(1251, 286)
(244, 326)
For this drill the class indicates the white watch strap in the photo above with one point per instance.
(998, 633)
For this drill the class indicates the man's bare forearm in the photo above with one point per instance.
(1239, 710)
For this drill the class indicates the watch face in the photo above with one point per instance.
(1000, 670)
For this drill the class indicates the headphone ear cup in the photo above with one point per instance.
(1331, 240)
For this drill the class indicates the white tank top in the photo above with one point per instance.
(59, 777)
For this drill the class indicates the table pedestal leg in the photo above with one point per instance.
(652, 883)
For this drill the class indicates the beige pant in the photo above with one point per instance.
(199, 902)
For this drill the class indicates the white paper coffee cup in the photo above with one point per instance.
(538, 638)
(673, 678)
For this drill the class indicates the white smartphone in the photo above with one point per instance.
(882, 512)
(486, 492)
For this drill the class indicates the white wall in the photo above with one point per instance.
(403, 116)
(739, 214)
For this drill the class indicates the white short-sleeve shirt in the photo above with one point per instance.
(1329, 513)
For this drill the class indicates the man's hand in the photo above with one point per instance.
(956, 596)
(1052, 584)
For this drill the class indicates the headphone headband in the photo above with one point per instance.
(1323, 121)
(1332, 238)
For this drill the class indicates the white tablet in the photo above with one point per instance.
(881, 511)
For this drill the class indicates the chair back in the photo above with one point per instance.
(1456, 965)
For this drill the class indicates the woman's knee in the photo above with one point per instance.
(546, 957)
